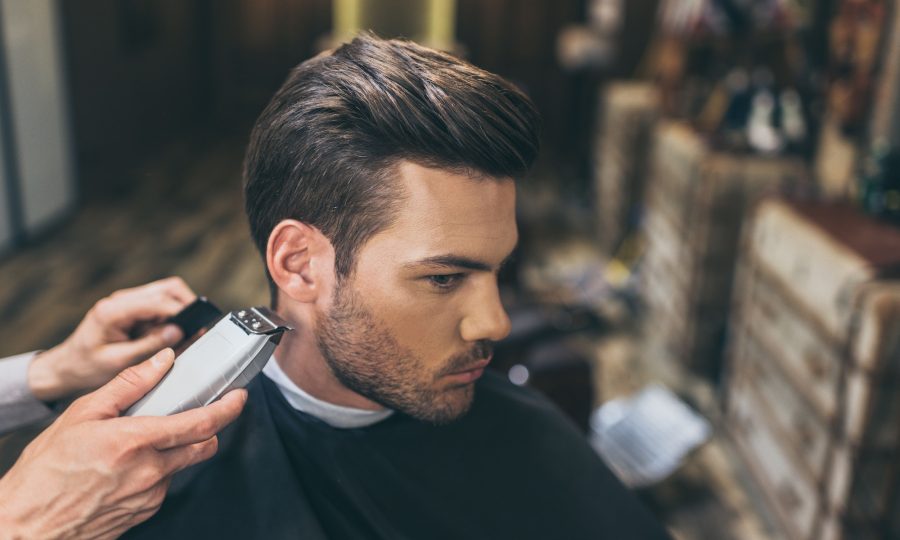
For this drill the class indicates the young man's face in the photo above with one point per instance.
(411, 328)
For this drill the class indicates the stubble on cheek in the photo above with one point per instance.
(366, 358)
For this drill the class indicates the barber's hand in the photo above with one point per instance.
(93, 474)
(102, 345)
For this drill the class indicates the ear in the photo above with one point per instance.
(300, 260)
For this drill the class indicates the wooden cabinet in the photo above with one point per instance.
(813, 377)
(694, 206)
(628, 112)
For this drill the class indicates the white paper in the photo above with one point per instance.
(644, 438)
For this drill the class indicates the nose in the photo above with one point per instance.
(486, 319)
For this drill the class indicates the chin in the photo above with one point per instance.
(449, 405)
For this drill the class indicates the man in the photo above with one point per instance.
(92, 474)
(380, 191)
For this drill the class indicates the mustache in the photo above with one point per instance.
(481, 350)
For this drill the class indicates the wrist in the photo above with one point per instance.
(44, 379)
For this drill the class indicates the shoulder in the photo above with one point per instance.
(554, 464)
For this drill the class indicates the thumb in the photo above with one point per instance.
(111, 399)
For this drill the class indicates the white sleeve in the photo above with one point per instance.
(18, 407)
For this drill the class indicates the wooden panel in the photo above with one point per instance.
(809, 359)
(794, 501)
(807, 435)
(695, 205)
(629, 113)
(819, 337)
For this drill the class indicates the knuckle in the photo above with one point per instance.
(157, 494)
(102, 310)
(175, 281)
(148, 476)
(79, 406)
(127, 449)
(172, 280)
(210, 448)
(130, 377)
(169, 440)
(206, 425)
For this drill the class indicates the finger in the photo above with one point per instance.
(182, 457)
(172, 286)
(195, 425)
(130, 385)
(125, 353)
(176, 288)
(125, 309)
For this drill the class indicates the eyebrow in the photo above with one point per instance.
(457, 261)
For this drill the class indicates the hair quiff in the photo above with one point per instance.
(324, 150)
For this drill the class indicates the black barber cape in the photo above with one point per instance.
(513, 467)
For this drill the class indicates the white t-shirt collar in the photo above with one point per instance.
(334, 415)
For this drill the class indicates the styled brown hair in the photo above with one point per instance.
(325, 148)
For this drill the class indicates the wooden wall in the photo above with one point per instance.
(143, 72)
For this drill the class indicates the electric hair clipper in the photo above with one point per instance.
(226, 357)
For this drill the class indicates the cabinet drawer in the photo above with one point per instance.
(818, 270)
(809, 359)
(803, 430)
(792, 499)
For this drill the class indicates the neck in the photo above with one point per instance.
(300, 359)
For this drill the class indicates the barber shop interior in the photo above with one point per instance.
(427, 269)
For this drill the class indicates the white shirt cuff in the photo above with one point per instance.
(18, 406)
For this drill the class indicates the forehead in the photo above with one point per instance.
(445, 212)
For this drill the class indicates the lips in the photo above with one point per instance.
(479, 366)
(469, 374)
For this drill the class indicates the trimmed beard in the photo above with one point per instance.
(366, 358)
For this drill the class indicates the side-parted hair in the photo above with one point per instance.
(325, 149)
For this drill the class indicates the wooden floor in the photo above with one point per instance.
(180, 213)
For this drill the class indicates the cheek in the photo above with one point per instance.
(426, 324)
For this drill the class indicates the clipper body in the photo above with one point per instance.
(228, 356)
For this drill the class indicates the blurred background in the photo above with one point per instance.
(707, 277)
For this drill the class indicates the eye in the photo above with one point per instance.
(445, 282)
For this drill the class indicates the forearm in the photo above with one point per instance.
(18, 405)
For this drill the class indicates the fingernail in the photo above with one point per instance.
(160, 359)
(171, 334)
(156, 360)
